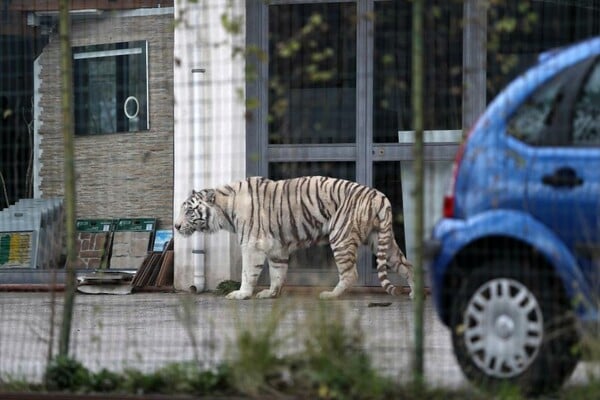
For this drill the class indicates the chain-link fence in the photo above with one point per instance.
(475, 118)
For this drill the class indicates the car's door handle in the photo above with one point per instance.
(563, 177)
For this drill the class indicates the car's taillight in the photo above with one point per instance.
(449, 205)
(449, 196)
(448, 210)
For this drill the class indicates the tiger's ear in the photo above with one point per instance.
(206, 195)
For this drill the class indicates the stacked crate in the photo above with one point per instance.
(31, 234)
(93, 243)
(131, 242)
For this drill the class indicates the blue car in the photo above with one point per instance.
(515, 261)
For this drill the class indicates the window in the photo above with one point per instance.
(586, 114)
(111, 88)
(533, 117)
(312, 67)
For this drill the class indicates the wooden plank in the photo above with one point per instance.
(151, 271)
(136, 282)
(166, 274)
(155, 269)
(154, 277)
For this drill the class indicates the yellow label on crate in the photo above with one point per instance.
(15, 249)
(17, 243)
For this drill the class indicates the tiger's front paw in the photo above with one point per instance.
(238, 295)
(266, 294)
(328, 295)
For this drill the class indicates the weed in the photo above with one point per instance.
(226, 287)
(188, 317)
(336, 364)
(256, 357)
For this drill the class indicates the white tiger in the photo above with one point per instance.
(274, 218)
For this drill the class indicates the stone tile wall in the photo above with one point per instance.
(91, 249)
(121, 174)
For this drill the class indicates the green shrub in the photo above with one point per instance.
(213, 382)
(105, 381)
(65, 373)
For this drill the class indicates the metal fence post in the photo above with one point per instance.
(417, 106)
(66, 74)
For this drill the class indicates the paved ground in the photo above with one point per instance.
(148, 330)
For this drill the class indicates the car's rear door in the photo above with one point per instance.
(563, 189)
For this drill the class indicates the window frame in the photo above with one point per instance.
(558, 132)
(102, 50)
(591, 64)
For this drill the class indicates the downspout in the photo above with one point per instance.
(199, 280)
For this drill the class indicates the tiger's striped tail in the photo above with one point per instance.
(385, 242)
(390, 257)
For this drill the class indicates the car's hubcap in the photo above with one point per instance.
(503, 327)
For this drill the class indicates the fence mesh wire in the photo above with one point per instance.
(171, 96)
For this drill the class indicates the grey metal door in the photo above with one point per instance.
(335, 100)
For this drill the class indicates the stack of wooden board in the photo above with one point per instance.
(156, 269)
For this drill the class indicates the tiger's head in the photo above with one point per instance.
(198, 214)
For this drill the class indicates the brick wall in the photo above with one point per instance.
(121, 174)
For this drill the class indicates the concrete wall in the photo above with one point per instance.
(121, 174)
(210, 137)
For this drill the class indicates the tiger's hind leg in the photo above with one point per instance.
(277, 271)
(345, 254)
(400, 264)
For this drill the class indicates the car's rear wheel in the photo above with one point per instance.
(512, 326)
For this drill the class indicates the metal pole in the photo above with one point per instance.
(417, 107)
(474, 61)
(69, 172)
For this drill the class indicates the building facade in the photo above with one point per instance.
(174, 96)
(121, 171)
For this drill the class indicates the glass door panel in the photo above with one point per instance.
(389, 179)
(392, 109)
(312, 73)
(396, 180)
(391, 70)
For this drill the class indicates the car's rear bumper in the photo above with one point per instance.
(450, 236)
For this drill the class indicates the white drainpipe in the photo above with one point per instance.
(199, 279)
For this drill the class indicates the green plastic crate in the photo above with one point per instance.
(136, 225)
(95, 225)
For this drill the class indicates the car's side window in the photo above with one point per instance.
(586, 111)
(535, 114)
